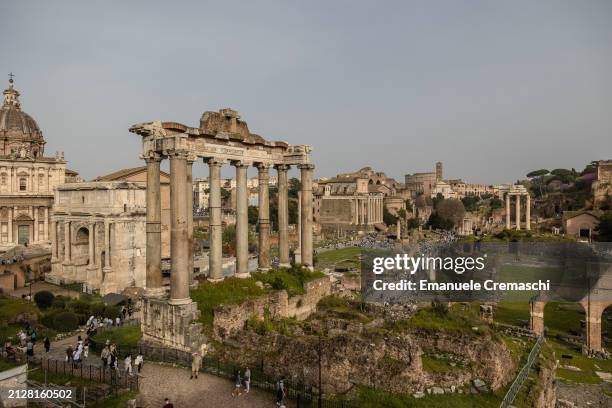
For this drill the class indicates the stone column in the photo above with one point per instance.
(215, 256)
(283, 215)
(54, 242)
(518, 212)
(35, 232)
(107, 246)
(507, 211)
(242, 220)
(189, 187)
(67, 245)
(153, 227)
(46, 224)
(179, 240)
(10, 224)
(92, 245)
(264, 216)
(528, 213)
(306, 173)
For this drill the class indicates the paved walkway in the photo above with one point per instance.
(159, 382)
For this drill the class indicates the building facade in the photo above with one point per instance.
(27, 176)
(99, 235)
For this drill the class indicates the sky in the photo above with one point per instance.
(491, 89)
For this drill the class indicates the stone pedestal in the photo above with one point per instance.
(170, 325)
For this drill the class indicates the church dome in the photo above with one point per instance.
(18, 131)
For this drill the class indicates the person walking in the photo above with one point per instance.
(237, 391)
(127, 364)
(168, 404)
(247, 380)
(47, 344)
(196, 364)
(69, 352)
(280, 393)
(138, 362)
(104, 355)
(30, 348)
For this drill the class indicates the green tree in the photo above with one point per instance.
(537, 178)
(295, 185)
(402, 213)
(388, 218)
(43, 299)
(253, 215)
(605, 227)
(451, 210)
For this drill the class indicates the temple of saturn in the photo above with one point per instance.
(518, 191)
(221, 137)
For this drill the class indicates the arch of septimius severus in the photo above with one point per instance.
(221, 137)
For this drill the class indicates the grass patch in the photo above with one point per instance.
(209, 295)
(513, 313)
(563, 317)
(459, 317)
(124, 336)
(290, 279)
(118, 401)
(372, 398)
(342, 308)
(11, 307)
(329, 259)
(586, 365)
(436, 365)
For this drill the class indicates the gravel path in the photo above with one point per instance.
(159, 382)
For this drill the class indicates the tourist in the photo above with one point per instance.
(86, 348)
(69, 353)
(47, 344)
(127, 364)
(138, 362)
(280, 393)
(237, 391)
(118, 321)
(247, 380)
(104, 355)
(167, 404)
(76, 357)
(196, 364)
(30, 348)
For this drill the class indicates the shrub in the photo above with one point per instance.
(47, 319)
(112, 312)
(44, 299)
(79, 306)
(97, 309)
(58, 303)
(65, 321)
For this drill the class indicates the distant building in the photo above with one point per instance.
(27, 176)
(581, 224)
(602, 186)
(420, 183)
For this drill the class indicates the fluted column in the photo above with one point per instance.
(242, 220)
(10, 225)
(518, 212)
(189, 202)
(306, 173)
(283, 214)
(35, 232)
(179, 240)
(107, 247)
(528, 213)
(54, 241)
(67, 245)
(92, 245)
(264, 216)
(46, 224)
(508, 211)
(215, 257)
(153, 227)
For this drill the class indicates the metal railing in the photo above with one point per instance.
(523, 374)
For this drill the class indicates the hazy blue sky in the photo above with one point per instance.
(493, 89)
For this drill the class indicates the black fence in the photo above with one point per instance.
(305, 396)
(116, 379)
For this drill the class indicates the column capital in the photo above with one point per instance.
(213, 161)
(151, 156)
(282, 167)
(178, 154)
(191, 158)
(262, 166)
(240, 163)
(306, 166)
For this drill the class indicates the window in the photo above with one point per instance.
(3, 179)
(23, 184)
